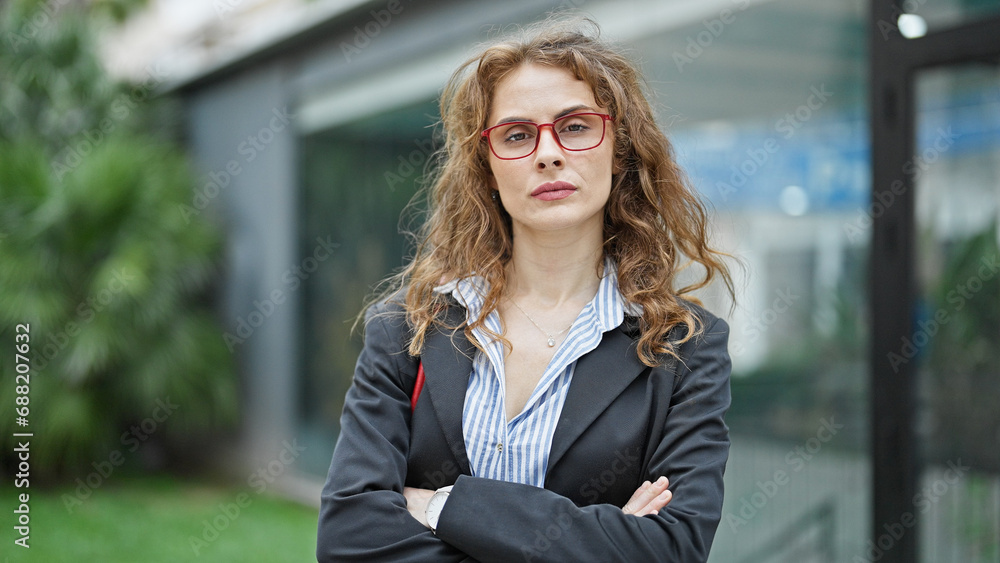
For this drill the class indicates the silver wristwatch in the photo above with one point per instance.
(436, 505)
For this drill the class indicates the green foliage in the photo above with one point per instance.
(96, 256)
(54, 88)
(961, 368)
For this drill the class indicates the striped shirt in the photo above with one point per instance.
(518, 450)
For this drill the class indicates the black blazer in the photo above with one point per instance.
(622, 423)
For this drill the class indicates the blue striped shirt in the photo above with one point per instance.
(518, 450)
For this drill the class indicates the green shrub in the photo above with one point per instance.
(97, 259)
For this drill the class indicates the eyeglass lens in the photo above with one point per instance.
(574, 132)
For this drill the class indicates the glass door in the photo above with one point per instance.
(935, 282)
(955, 342)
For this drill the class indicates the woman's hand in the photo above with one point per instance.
(648, 498)
(416, 503)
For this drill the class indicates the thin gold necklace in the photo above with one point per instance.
(551, 337)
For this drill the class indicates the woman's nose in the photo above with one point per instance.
(549, 151)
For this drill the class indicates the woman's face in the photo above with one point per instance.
(542, 94)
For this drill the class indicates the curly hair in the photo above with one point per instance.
(654, 223)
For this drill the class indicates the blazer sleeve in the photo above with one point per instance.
(363, 514)
(499, 521)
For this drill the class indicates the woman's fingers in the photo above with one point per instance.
(648, 498)
(632, 503)
(656, 504)
(416, 502)
(657, 496)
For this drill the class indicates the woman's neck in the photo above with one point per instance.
(548, 270)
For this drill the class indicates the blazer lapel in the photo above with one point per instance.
(599, 378)
(447, 359)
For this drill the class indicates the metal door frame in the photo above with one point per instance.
(894, 63)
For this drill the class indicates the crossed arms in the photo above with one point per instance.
(368, 514)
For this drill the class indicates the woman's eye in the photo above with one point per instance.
(516, 135)
(574, 128)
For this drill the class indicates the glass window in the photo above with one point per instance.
(766, 105)
(956, 333)
(356, 180)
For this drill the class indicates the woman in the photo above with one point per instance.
(568, 382)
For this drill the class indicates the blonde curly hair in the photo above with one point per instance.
(654, 223)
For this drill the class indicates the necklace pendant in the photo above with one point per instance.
(552, 342)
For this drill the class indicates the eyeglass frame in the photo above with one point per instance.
(604, 131)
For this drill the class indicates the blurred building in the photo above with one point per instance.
(313, 122)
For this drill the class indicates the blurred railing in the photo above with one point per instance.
(810, 538)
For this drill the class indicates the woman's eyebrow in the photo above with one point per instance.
(562, 113)
(512, 119)
(573, 109)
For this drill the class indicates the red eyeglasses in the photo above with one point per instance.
(574, 132)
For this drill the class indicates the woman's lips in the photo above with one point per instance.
(553, 190)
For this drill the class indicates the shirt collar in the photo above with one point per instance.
(610, 306)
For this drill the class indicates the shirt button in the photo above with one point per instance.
(499, 447)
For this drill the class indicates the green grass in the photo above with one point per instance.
(154, 519)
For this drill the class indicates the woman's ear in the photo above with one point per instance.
(617, 156)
